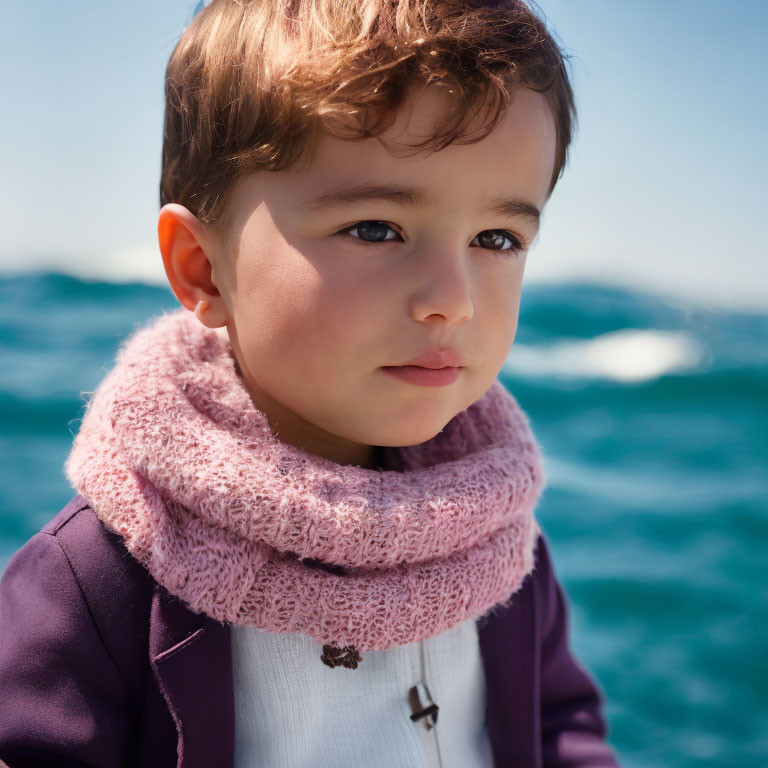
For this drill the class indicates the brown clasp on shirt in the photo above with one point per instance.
(334, 656)
(422, 705)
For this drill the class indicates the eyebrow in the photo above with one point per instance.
(411, 196)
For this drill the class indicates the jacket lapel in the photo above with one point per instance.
(191, 659)
(509, 650)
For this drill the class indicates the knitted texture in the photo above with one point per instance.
(174, 456)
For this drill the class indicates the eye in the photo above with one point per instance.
(369, 227)
(499, 236)
(376, 230)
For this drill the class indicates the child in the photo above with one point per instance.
(304, 531)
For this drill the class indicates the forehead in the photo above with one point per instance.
(516, 158)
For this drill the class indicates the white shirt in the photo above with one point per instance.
(294, 711)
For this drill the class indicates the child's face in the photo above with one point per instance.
(313, 314)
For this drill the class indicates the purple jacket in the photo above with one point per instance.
(101, 667)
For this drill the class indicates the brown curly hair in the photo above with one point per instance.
(250, 81)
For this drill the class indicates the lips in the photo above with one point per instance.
(437, 357)
(425, 377)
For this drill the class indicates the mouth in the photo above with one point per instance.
(423, 376)
(436, 358)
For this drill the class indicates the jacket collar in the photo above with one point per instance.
(191, 659)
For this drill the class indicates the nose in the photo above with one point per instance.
(442, 284)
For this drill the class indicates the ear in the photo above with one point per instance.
(187, 246)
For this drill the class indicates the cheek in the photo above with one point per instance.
(306, 319)
(274, 303)
(500, 306)
(349, 306)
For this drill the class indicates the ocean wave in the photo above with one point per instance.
(629, 355)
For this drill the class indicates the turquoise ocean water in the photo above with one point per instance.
(653, 422)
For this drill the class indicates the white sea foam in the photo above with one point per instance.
(628, 355)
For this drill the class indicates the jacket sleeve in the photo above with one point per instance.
(572, 723)
(62, 699)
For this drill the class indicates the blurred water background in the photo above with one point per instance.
(653, 422)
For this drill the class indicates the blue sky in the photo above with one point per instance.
(665, 190)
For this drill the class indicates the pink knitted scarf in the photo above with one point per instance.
(174, 456)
